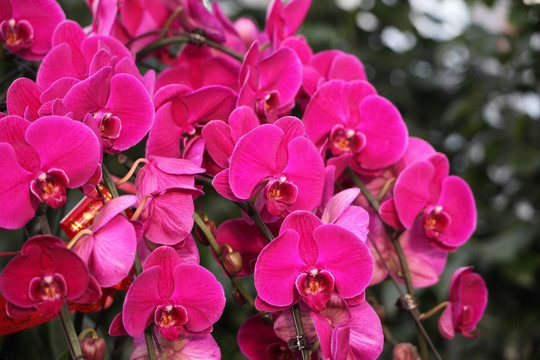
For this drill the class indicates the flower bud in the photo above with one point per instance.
(238, 298)
(232, 262)
(210, 224)
(405, 351)
(93, 349)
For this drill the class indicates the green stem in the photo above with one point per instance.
(43, 220)
(297, 317)
(183, 38)
(69, 331)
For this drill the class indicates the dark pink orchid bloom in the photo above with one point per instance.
(44, 276)
(362, 129)
(339, 211)
(178, 298)
(167, 216)
(443, 205)
(281, 161)
(468, 300)
(120, 106)
(39, 161)
(311, 261)
(109, 251)
(26, 26)
(269, 85)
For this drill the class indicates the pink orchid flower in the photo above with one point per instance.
(26, 26)
(311, 261)
(443, 205)
(109, 251)
(39, 161)
(362, 129)
(281, 161)
(179, 298)
(169, 183)
(269, 85)
(44, 276)
(468, 300)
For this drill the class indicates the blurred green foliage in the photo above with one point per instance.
(465, 78)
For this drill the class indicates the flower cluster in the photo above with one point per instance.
(284, 132)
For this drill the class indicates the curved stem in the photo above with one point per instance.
(130, 172)
(78, 236)
(141, 206)
(433, 311)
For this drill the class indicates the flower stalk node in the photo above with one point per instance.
(297, 343)
(407, 302)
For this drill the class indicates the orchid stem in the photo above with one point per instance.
(109, 182)
(78, 236)
(433, 311)
(182, 38)
(130, 172)
(43, 220)
(297, 317)
(69, 331)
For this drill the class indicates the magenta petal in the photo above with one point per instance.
(164, 138)
(16, 277)
(58, 64)
(445, 324)
(198, 291)
(171, 216)
(277, 268)
(141, 300)
(242, 120)
(304, 223)
(253, 159)
(365, 333)
(222, 186)
(114, 251)
(113, 208)
(385, 131)
(356, 220)
(117, 326)
(337, 205)
(218, 141)
(288, 63)
(169, 93)
(18, 206)
(411, 191)
(350, 262)
(76, 151)
(21, 94)
(90, 95)
(254, 337)
(166, 258)
(306, 170)
(458, 201)
(292, 127)
(130, 101)
(12, 131)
